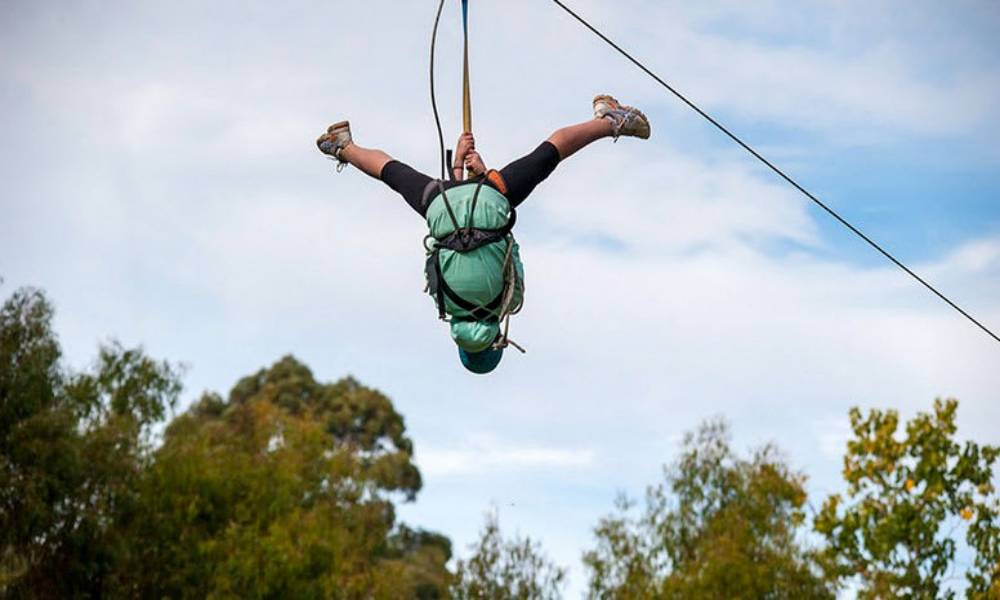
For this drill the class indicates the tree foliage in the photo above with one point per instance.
(719, 526)
(907, 498)
(501, 569)
(287, 488)
(283, 490)
(72, 449)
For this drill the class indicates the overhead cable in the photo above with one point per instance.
(780, 173)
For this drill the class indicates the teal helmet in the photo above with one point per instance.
(475, 344)
(480, 363)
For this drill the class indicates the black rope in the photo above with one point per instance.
(776, 170)
(437, 117)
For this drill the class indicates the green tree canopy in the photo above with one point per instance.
(285, 490)
(719, 526)
(907, 498)
(506, 569)
(72, 448)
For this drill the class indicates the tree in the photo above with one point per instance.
(907, 496)
(72, 447)
(502, 569)
(285, 490)
(719, 526)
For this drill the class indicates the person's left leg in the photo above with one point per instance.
(524, 174)
(611, 119)
(570, 140)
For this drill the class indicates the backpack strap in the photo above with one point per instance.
(470, 238)
(447, 205)
(434, 282)
(472, 212)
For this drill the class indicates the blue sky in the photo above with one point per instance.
(161, 183)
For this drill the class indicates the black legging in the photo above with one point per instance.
(520, 177)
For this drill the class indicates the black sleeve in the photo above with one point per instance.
(525, 173)
(408, 182)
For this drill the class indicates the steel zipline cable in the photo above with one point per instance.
(780, 173)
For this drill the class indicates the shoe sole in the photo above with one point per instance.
(340, 125)
(644, 120)
(606, 98)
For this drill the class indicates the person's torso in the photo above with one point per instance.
(476, 275)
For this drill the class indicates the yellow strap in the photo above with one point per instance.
(466, 95)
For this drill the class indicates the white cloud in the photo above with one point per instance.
(850, 71)
(974, 257)
(485, 454)
(672, 203)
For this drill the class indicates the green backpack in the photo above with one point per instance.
(474, 271)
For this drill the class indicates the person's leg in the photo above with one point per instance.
(611, 119)
(569, 140)
(524, 174)
(403, 179)
(407, 182)
(371, 162)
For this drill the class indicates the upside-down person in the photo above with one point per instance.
(474, 272)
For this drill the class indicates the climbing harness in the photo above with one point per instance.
(464, 239)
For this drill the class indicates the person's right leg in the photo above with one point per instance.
(406, 181)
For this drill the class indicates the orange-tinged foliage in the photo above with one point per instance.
(898, 539)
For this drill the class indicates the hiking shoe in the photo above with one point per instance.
(336, 138)
(626, 120)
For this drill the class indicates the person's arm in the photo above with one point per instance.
(466, 143)
(466, 157)
(474, 163)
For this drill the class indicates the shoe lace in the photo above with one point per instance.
(613, 117)
(341, 164)
(621, 117)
